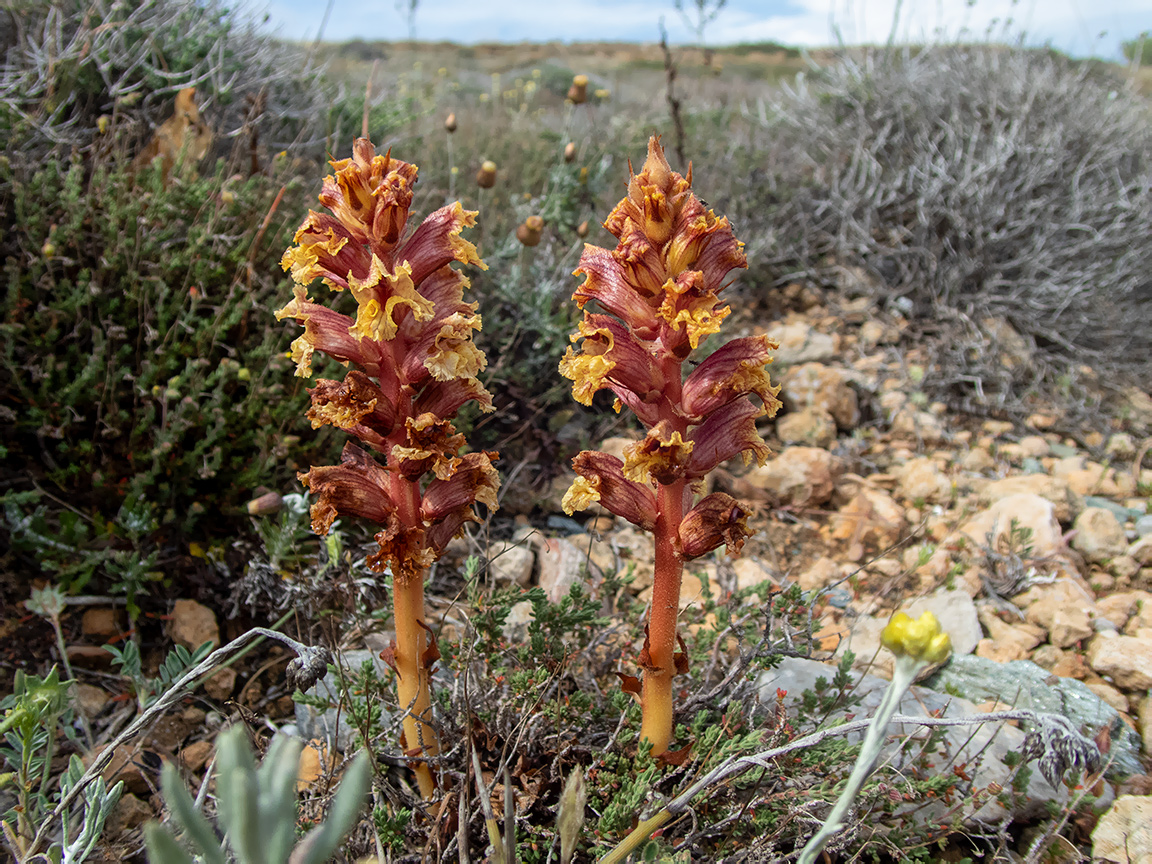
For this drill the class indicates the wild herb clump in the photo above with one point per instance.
(978, 186)
(100, 75)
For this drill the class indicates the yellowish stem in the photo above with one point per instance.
(413, 678)
(656, 695)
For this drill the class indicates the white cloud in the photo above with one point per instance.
(1072, 25)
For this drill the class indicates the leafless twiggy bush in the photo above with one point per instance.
(977, 182)
(68, 64)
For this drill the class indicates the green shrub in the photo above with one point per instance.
(140, 363)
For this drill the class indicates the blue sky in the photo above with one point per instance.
(1081, 27)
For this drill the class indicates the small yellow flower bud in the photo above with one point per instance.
(48, 249)
(582, 229)
(450, 123)
(227, 196)
(921, 639)
(529, 231)
(243, 374)
(486, 176)
(602, 95)
(578, 92)
(570, 152)
(102, 123)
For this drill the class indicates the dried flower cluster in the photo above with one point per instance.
(414, 365)
(660, 287)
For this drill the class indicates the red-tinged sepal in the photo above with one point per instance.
(370, 194)
(431, 444)
(630, 684)
(610, 356)
(326, 249)
(430, 654)
(606, 281)
(328, 332)
(358, 486)
(437, 241)
(680, 658)
(735, 370)
(600, 479)
(472, 479)
(725, 433)
(717, 519)
(445, 398)
(355, 404)
(660, 457)
(403, 548)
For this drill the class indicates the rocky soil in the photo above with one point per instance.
(1033, 548)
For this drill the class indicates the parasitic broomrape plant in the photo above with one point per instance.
(659, 288)
(414, 364)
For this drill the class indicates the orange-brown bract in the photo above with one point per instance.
(660, 289)
(411, 340)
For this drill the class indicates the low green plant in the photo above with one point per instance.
(146, 688)
(256, 807)
(36, 713)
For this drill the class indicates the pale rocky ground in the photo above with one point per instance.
(877, 501)
(914, 509)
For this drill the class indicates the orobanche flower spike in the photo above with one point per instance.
(660, 289)
(414, 365)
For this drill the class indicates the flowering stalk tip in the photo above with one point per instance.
(657, 296)
(414, 365)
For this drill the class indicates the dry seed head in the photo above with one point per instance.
(529, 230)
(570, 152)
(578, 92)
(486, 176)
(450, 123)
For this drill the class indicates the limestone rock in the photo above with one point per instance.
(511, 564)
(811, 427)
(872, 517)
(822, 573)
(193, 625)
(921, 479)
(799, 343)
(1099, 536)
(798, 475)
(814, 385)
(751, 572)
(1120, 607)
(1124, 833)
(957, 615)
(1025, 685)
(978, 460)
(1085, 477)
(1029, 511)
(562, 565)
(982, 747)
(1042, 603)
(1054, 489)
(1127, 660)
(920, 425)
(103, 622)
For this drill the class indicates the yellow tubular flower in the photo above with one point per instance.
(920, 639)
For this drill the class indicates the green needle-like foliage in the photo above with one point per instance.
(257, 807)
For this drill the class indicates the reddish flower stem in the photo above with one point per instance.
(656, 698)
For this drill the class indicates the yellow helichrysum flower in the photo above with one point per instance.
(920, 639)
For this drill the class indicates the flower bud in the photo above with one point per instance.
(450, 123)
(582, 229)
(922, 639)
(102, 123)
(578, 92)
(486, 176)
(265, 505)
(529, 231)
(570, 152)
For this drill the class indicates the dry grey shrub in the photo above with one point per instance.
(66, 64)
(975, 183)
